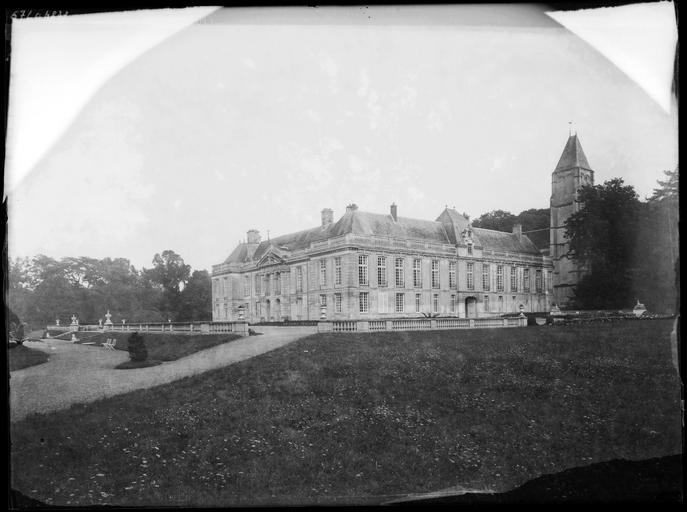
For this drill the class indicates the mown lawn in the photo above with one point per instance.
(345, 418)
(164, 347)
(23, 357)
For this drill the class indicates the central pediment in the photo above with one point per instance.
(273, 256)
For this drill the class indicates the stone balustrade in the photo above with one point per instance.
(240, 328)
(418, 324)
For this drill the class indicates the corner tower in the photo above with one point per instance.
(572, 172)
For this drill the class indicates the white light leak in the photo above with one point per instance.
(58, 63)
(640, 39)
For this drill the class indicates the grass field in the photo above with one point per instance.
(23, 357)
(346, 418)
(163, 347)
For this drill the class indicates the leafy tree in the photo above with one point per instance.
(656, 260)
(603, 237)
(535, 219)
(196, 298)
(170, 271)
(171, 274)
(498, 220)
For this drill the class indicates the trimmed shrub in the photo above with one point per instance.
(137, 347)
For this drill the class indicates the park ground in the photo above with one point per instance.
(365, 418)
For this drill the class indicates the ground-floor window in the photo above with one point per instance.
(486, 303)
(337, 302)
(299, 307)
(452, 305)
(363, 299)
(418, 301)
(501, 303)
(435, 303)
(400, 302)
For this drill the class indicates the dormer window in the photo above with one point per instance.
(469, 248)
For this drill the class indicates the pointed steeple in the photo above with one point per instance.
(572, 156)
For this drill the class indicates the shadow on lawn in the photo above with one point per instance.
(656, 480)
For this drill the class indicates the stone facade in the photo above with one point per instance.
(374, 266)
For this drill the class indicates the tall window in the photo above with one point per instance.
(435, 274)
(337, 302)
(435, 303)
(215, 287)
(299, 279)
(485, 276)
(549, 280)
(400, 302)
(400, 277)
(299, 307)
(486, 303)
(418, 302)
(337, 271)
(257, 284)
(452, 304)
(277, 283)
(452, 283)
(257, 309)
(513, 279)
(501, 303)
(537, 281)
(323, 300)
(267, 284)
(471, 276)
(363, 300)
(417, 273)
(381, 271)
(246, 285)
(323, 273)
(225, 287)
(499, 278)
(526, 280)
(363, 278)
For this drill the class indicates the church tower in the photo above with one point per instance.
(571, 173)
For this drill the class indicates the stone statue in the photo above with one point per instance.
(74, 322)
(108, 318)
(57, 322)
(100, 322)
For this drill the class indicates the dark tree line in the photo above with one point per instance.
(42, 289)
(500, 220)
(629, 248)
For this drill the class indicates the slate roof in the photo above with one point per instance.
(445, 230)
(572, 156)
(502, 241)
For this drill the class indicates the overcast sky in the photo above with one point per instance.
(260, 119)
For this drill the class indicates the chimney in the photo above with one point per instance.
(327, 217)
(351, 207)
(253, 236)
(394, 211)
(517, 230)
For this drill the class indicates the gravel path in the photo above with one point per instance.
(84, 373)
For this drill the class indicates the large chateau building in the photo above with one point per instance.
(370, 265)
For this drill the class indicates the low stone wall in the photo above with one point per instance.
(418, 324)
(240, 328)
